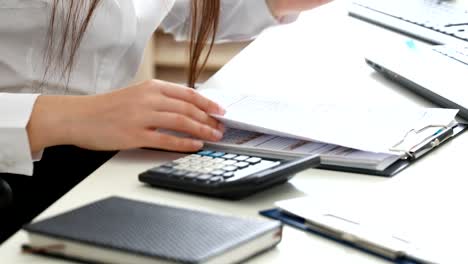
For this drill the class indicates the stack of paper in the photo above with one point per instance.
(287, 147)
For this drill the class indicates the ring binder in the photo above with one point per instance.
(351, 139)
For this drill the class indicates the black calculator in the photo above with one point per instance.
(225, 175)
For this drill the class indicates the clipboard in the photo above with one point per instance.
(410, 154)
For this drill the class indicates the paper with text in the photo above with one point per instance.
(330, 154)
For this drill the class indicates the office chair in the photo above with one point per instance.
(6, 195)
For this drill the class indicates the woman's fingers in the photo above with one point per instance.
(191, 96)
(171, 105)
(181, 123)
(160, 140)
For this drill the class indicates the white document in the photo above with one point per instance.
(357, 127)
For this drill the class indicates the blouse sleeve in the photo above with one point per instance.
(15, 152)
(239, 20)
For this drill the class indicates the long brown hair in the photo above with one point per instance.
(76, 15)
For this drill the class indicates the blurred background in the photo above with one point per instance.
(167, 59)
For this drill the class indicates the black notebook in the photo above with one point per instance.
(119, 230)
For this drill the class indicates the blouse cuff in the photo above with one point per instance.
(275, 20)
(37, 156)
(289, 18)
(15, 152)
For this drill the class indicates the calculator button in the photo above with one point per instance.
(210, 166)
(193, 162)
(192, 175)
(241, 158)
(182, 166)
(242, 164)
(169, 165)
(191, 158)
(228, 174)
(207, 163)
(230, 168)
(263, 165)
(229, 156)
(217, 154)
(179, 172)
(253, 160)
(217, 172)
(182, 160)
(217, 166)
(204, 177)
(163, 170)
(219, 160)
(196, 156)
(208, 160)
(229, 162)
(194, 167)
(205, 152)
(205, 170)
(216, 179)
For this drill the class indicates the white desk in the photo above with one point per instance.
(318, 58)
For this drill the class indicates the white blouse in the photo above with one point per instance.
(108, 58)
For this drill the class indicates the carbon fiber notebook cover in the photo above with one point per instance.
(165, 233)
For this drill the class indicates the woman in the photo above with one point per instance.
(64, 70)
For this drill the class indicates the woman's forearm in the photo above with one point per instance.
(125, 118)
(51, 120)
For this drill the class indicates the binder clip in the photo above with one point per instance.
(413, 150)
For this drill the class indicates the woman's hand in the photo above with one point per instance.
(281, 8)
(127, 118)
